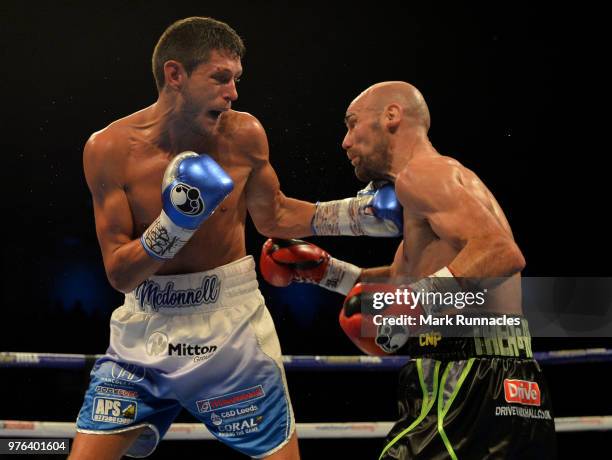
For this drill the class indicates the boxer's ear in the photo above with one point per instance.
(393, 116)
(174, 74)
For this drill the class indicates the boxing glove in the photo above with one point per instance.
(283, 262)
(375, 211)
(192, 188)
(380, 318)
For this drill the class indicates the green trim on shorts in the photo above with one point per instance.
(442, 411)
(425, 408)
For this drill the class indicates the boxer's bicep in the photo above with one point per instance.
(274, 214)
(262, 190)
(113, 217)
(457, 217)
(263, 196)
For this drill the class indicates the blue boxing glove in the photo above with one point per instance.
(375, 211)
(193, 187)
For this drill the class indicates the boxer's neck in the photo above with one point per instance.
(405, 147)
(172, 131)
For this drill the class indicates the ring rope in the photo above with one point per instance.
(184, 431)
(302, 362)
(193, 431)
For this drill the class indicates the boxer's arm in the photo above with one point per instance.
(273, 214)
(486, 250)
(387, 272)
(374, 273)
(125, 261)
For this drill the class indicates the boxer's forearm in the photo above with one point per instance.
(129, 265)
(291, 219)
(375, 273)
(488, 261)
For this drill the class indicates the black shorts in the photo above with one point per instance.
(476, 408)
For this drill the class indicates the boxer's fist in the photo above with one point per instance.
(377, 324)
(285, 261)
(385, 207)
(192, 188)
(375, 211)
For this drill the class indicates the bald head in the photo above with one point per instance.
(410, 99)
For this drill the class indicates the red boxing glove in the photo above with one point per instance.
(285, 261)
(379, 318)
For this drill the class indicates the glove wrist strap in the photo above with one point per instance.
(443, 281)
(338, 217)
(340, 276)
(163, 239)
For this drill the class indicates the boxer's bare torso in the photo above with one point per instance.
(138, 164)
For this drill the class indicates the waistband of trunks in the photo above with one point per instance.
(195, 292)
(475, 341)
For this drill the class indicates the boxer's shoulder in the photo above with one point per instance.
(237, 121)
(426, 178)
(245, 132)
(429, 167)
(105, 150)
(110, 139)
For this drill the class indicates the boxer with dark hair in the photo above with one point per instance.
(171, 187)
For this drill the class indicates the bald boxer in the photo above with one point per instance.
(472, 392)
(171, 186)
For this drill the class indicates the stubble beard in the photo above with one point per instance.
(194, 117)
(376, 166)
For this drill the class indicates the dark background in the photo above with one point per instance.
(513, 94)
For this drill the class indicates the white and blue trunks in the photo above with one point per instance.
(204, 342)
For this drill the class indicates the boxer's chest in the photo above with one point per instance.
(423, 252)
(145, 171)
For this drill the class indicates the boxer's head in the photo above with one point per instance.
(374, 119)
(199, 59)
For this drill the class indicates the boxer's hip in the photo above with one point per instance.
(190, 293)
